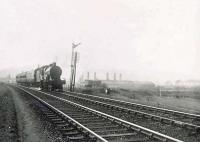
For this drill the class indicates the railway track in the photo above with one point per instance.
(174, 128)
(176, 115)
(80, 123)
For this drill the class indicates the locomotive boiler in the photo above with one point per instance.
(46, 77)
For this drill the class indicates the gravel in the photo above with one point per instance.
(8, 121)
(19, 122)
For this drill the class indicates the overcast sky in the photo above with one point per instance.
(148, 39)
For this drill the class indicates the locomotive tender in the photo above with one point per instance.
(46, 77)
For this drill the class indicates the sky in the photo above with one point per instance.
(142, 39)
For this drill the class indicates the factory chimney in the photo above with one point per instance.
(95, 77)
(107, 76)
(120, 77)
(88, 76)
(114, 76)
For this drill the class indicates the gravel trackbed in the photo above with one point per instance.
(19, 122)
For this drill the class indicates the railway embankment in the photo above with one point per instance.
(8, 121)
(19, 121)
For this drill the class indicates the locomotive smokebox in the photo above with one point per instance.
(55, 72)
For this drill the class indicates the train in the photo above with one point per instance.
(47, 77)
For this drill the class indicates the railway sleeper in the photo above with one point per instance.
(156, 118)
(53, 117)
(97, 123)
(59, 122)
(134, 113)
(86, 118)
(73, 112)
(140, 115)
(45, 110)
(66, 129)
(166, 121)
(80, 116)
(91, 121)
(181, 124)
(64, 109)
(62, 125)
(147, 133)
(82, 139)
(56, 119)
(111, 132)
(128, 139)
(111, 119)
(135, 129)
(126, 125)
(146, 116)
(49, 113)
(118, 135)
(103, 128)
(159, 138)
(79, 136)
(190, 127)
(135, 140)
(72, 134)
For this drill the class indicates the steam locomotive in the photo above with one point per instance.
(46, 77)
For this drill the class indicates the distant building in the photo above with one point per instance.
(129, 84)
(168, 83)
(91, 83)
(188, 83)
(115, 81)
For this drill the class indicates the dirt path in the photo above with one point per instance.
(26, 125)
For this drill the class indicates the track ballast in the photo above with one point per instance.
(89, 124)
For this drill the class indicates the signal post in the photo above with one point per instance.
(73, 67)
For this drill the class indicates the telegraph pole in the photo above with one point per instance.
(73, 67)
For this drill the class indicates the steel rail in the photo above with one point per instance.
(141, 105)
(137, 128)
(154, 117)
(76, 122)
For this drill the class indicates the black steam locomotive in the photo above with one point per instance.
(46, 77)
